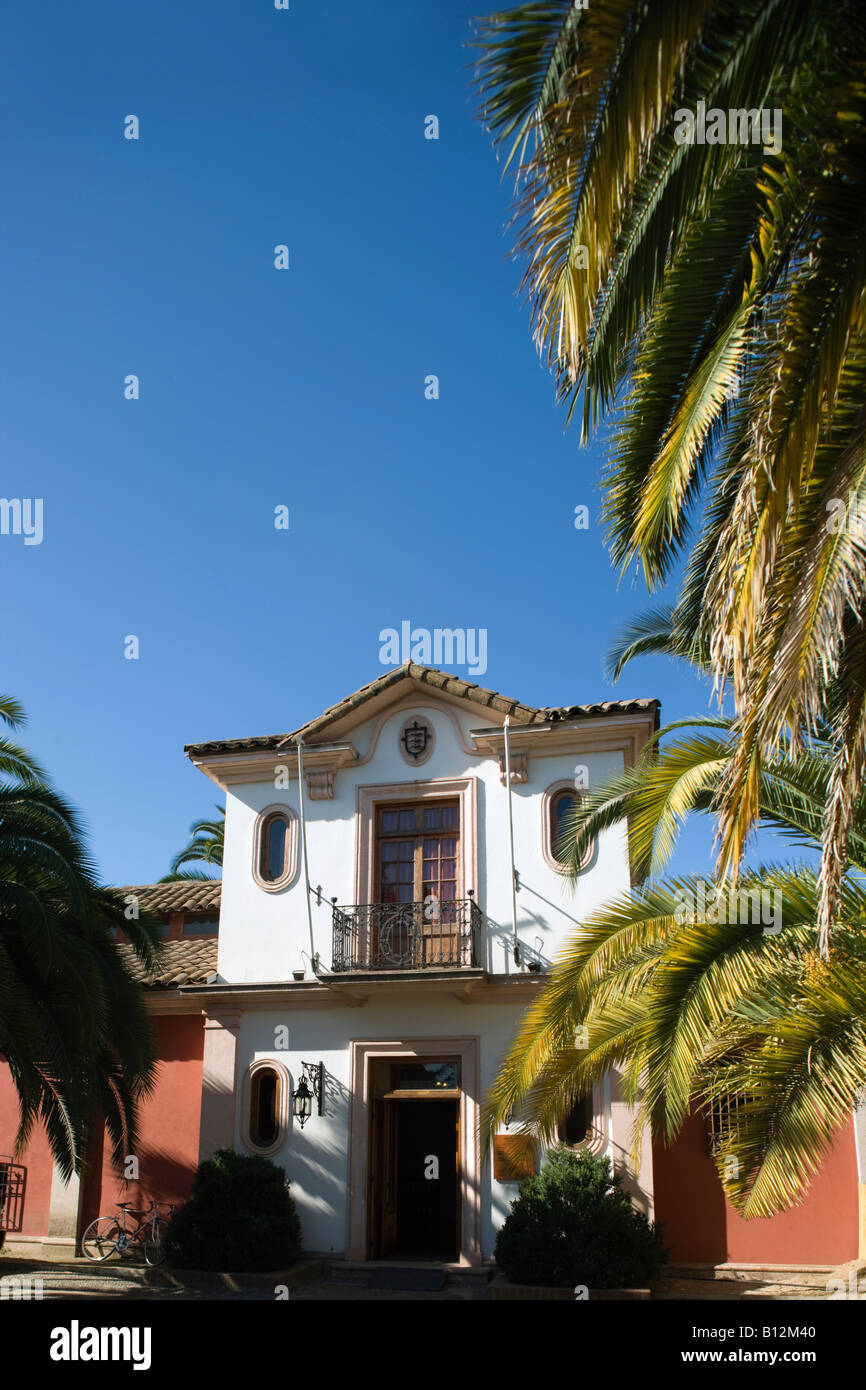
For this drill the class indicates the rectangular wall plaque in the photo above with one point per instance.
(513, 1157)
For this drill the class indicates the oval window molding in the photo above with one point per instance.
(553, 806)
(275, 848)
(265, 1109)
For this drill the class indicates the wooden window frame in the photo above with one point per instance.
(418, 833)
(370, 798)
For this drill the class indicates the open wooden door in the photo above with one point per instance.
(413, 1190)
(382, 1179)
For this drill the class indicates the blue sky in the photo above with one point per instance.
(259, 388)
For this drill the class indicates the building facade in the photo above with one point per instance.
(391, 991)
(399, 981)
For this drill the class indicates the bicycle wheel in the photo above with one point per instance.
(102, 1237)
(154, 1248)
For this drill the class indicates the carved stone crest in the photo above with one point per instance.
(416, 740)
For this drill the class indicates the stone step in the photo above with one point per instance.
(807, 1276)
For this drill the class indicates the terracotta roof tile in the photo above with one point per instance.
(189, 896)
(183, 963)
(427, 675)
(602, 707)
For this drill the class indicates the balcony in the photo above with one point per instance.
(431, 935)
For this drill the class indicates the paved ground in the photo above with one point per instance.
(126, 1281)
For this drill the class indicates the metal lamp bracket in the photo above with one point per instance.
(314, 1075)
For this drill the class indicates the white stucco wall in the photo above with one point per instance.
(316, 1158)
(263, 935)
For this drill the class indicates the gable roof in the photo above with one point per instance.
(417, 677)
(181, 895)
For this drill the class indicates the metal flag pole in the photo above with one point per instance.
(511, 843)
(304, 847)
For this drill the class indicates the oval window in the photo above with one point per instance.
(264, 1108)
(561, 807)
(275, 848)
(557, 838)
(275, 836)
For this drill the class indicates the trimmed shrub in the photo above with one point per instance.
(240, 1217)
(572, 1224)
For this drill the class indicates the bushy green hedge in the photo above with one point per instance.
(572, 1224)
(240, 1217)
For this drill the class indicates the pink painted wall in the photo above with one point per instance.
(36, 1158)
(168, 1125)
(702, 1227)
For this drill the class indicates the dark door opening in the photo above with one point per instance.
(413, 1180)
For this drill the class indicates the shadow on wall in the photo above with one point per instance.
(337, 1096)
(164, 1176)
(320, 1168)
(631, 1186)
(621, 1157)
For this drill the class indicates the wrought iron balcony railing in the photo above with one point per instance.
(407, 936)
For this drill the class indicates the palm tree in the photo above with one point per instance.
(207, 845)
(714, 296)
(701, 1002)
(74, 1030)
(667, 784)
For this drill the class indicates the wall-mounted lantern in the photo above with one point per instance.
(310, 1087)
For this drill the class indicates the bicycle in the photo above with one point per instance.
(109, 1234)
